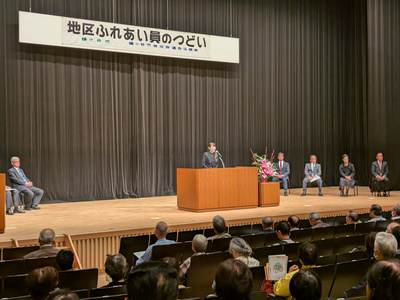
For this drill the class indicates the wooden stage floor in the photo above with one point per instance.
(142, 214)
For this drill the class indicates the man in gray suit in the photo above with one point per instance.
(312, 171)
(23, 185)
(283, 170)
(380, 171)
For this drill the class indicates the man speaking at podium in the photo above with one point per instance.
(210, 158)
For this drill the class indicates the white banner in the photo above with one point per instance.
(145, 40)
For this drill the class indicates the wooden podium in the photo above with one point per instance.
(201, 190)
(2, 202)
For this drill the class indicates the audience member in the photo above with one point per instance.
(380, 171)
(396, 213)
(308, 255)
(63, 294)
(306, 285)
(389, 228)
(32, 194)
(65, 260)
(315, 220)
(282, 231)
(47, 242)
(240, 250)
(383, 280)
(219, 228)
(161, 234)
(199, 247)
(40, 282)
(385, 247)
(267, 225)
(283, 171)
(352, 217)
(117, 268)
(294, 222)
(233, 280)
(375, 212)
(153, 281)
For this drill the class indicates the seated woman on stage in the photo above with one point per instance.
(210, 158)
(347, 171)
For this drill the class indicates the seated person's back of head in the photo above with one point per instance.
(116, 267)
(219, 224)
(63, 294)
(153, 281)
(40, 282)
(233, 280)
(65, 259)
(305, 285)
(383, 280)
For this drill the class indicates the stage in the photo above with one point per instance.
(139, 215)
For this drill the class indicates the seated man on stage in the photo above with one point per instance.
(210, 158)
(312, 171)
(380, 171)
(12, 199)
(283, 170)
(23, 185)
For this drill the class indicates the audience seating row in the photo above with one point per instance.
(15, 285)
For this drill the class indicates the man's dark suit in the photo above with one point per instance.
(30, 192)
(45, 250)
(285, 171)
(382, 170)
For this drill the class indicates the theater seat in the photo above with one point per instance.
(262, 253)
(78, 279)
(11, 267)
(131, 244)
(258, 277)
(15, 286)
(347, 275)
(170, 250)
(107, 291)
(255, 240)
(188, 235)
(18, 252)
(239, 230)
(302, 235)
(34, 263)
(326, 274)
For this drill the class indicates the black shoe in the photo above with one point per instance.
(341, 194)
(9, 212)
(35, 207)
(303, 194)
(28, 208)
(346, 195)
(379, 194)
(285, 193)
(385, 194)
(17, 210)
(320, 194)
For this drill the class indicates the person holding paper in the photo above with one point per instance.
(312, 172)
(32, 194)
(308, 254)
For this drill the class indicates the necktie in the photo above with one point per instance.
(312, 167)
(23, 177)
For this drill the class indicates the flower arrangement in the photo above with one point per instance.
(266, 167)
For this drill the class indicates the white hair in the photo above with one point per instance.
(14, 158)
(386, 243)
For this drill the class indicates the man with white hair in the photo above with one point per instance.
(396, 213)
(199, 247)
(385, 247)
(25, 186)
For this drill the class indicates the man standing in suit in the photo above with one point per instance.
(23, 185)
(312, 171)
(380, 171)
(283, 170)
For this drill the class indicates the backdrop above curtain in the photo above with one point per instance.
(98, 125)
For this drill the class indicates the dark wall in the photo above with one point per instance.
(97, 125)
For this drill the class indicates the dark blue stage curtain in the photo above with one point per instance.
(95, 125)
